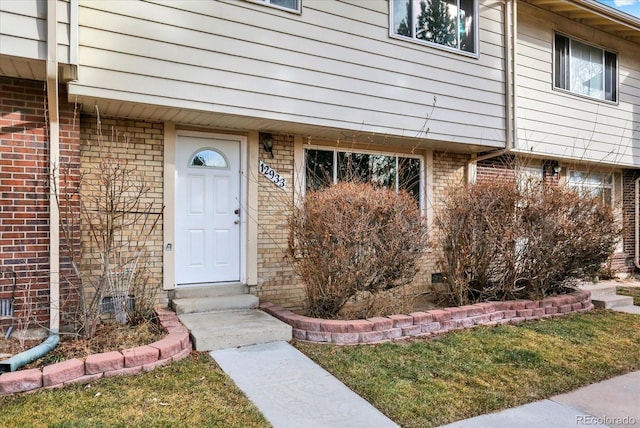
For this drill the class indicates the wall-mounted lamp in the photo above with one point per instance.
(266, 140)
(551, 168)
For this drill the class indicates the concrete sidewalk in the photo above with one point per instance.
(611, 403)
(292, 391)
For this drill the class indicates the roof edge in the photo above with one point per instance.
(609, 12)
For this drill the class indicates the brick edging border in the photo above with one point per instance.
(175, 346)
(428, 323)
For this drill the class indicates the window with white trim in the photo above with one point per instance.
(584, 69)
(324, 167)
(445, 23)
(597, 184)
(291, 5)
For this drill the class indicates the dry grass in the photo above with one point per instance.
(190, 393)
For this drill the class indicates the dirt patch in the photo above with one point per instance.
(108, 337)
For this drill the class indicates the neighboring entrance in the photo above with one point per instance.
(207, 239)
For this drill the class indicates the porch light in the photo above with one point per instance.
(266, 140)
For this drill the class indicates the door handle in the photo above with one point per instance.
(236, 222)
(237, 211)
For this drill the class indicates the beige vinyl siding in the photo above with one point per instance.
(334, 65)
(23, 29)
(561, 124)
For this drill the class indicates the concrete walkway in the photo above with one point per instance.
(611, 403)
(292, 391)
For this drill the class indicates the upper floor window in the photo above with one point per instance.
(585, 69)
(448, 23)
(293, 5)
(324, 167)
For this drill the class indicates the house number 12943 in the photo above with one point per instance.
(272, 175)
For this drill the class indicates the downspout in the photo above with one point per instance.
(14, 363)
(510, 70)
(509, 96)
(23, 358)
(54, 162)
(514, 77)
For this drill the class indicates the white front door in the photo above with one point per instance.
(207, 239)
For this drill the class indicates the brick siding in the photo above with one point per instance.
(449, 174)
(625, 263)
(498, 168)
(138, 145)
(277, 281)
(24, 201)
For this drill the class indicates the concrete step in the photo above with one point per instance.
(191, 305)
(612, 301)
(210, 290)
(628, 309)
(212, 331)
(598, 290)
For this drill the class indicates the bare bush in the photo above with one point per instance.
(505, 240)
(472, 228)
(565, 236)
(353, 240)
(118, 219)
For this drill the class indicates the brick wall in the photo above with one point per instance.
(133, 145)
(276, 280)
(625, 263)
(449, 174)
(498, 168)
(24, 197)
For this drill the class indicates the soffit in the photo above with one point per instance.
(312, 134)
(595, 15)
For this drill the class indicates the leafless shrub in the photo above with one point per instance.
(27, 321)
(398, 300)
(507, 239)
(471, 233)
(117, 219)
(352, 240)
(565, 235)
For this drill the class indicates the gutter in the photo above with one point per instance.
(509, 81)
(54, 162)
(609, 13)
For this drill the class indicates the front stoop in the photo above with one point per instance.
(211, 331)
(190, 305)
(603, 296)
(225, 316)
(612, 302)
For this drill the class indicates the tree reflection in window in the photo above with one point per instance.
(209, 158)
(324, 167)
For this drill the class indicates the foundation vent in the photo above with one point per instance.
(6, 308)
